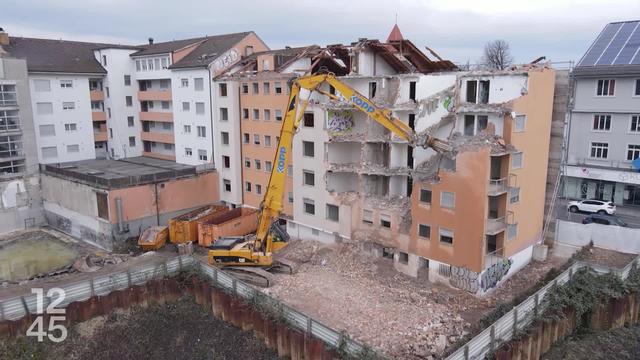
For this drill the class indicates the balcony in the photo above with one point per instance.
(156, 116)
(96, 95)
(495, 226)
(100, 134)
(497, 187)
(98, 116)
(157, 95)
(161, 137)
(159, 156)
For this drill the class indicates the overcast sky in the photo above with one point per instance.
(456, 29)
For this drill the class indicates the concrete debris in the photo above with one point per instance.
(500, 109)
(369, 169)
(429, 104)
(95, 262)
(483, 139)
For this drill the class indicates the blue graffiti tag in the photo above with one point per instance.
(361, 103)
(281, 155)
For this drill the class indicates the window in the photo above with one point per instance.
(367, 217)
(188, 152)
(165, 83)
(245, 113)
(73, 148)
(256, 139)
(633, 152)
(373, 86)
(224, 114)
(185, 106)
(424, 231)
(265, 88)
(66, 84)
(258, 189)
(601, 122)
(606, 87)
(635, 123)
(104, 60)
(226, 161)
(109, 113)
(110, 133)
(222, 88)
(156, 63)
(128, 100)
(267, 140)
(199, 108)
(256, 114)
(290, 197)
(248, 50)
(520, 121)
(475, 96)
(446, 236)
(385, 221)
(308, 148)
(265, 65)
(106, 88)
(247, 163)
(187, 129)
(403, 257)
(227, 185)
(245, 88)
(70, 127)
(267, 114)
(308, 178)
(138, 68)
(333, 212)
(473, 124)
(425, 196)
(132, 141)
(512, 231)
(68, 105)
(47, 130)
(49, 152)
(267, 166)
(308, 119)
(202, 155)
(256, 88)
(103, 205)
(184, 83)
(516, 160)
(247, 186)
(127, 80)
(599, 150)
(637, 88)
(245, 138)
(44, 108)
(202, 131)
(144, 65)
(514, 195)
(309, 206)
(8, 95)
(167, 126)
(165, 62)
(258, 164)
(277, 87)
(278, 115)
(198, 84)
(9, 120)
(412, 90)
(225, 138)
(447, 199)
(165, 105)
(130, 121)
(42, 85)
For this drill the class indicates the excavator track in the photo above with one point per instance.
(253, 275)
(283, 266)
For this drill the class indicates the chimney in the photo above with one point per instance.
(4, 37)
(150, 41)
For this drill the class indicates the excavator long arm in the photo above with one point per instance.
(271, 206)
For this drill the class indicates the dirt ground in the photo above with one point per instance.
(180, 330)
(363, 295)
(619, 344)
(614, 259)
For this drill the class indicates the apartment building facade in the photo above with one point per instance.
(604, 128)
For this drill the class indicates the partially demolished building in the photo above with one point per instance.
(469, 218)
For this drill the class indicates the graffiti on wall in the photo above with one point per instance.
(465, 279)
(225, 60)
(494, 274)
(340, 122)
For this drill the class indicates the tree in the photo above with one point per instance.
(497, 55)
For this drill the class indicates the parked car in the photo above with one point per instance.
(604, 220)
(592, 206)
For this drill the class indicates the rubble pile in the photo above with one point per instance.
(348, 289)
(96, 261)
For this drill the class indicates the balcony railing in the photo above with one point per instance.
(619, 165)
(497, 186)
(14, 153)
(495, 226)
(493, 257)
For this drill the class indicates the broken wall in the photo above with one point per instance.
(20, 203)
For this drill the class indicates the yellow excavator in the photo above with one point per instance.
(251, 257)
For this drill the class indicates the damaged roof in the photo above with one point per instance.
(616, 50)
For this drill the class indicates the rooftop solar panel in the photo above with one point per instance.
(601, 43)
(630, 48)
(610, 53)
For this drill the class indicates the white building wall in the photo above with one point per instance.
(181, 118)
(64, 140)
(118, 65)
(233, 149)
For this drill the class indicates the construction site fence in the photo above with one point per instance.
(521, 316)
(17, 307)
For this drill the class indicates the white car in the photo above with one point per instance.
(592, 206)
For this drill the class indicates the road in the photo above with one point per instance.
(629, 215)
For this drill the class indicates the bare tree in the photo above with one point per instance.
(497, 55)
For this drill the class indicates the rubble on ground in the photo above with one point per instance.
(96, 261)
